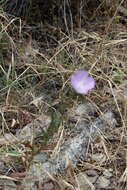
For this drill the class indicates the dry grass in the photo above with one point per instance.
(32, 69)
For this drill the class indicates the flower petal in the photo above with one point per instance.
(82, 82)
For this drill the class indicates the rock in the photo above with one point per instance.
(71, 151)
(81, 111)
(34, 129)
(99, 157)
(93, 179)
(107, 173)
(91, 172)
(40, 157)
(92, 175)
(114, 181)
(84, 183)
(102, 182)
(85, 109)
(81, 125)
(50, 185)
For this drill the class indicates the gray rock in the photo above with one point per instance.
(72, 150)
(40, 157)
(99, 157)
(103, 182)
(85, 109)
(91, 172)
(107, 173)
(34, 129)
(78, 113)
(84, 183)
(93, 179)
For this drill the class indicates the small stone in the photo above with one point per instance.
(99, 157)
(91, 172)
(79, 112)
(102, 182)
(93, 179)
(50, 185)
(107, 173)
(114, 181)
(85, 109)
(34, 129)
(40, 157)
(84, 182)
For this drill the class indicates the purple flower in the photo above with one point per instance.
(82, 82)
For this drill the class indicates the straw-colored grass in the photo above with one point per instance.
(34, 79)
